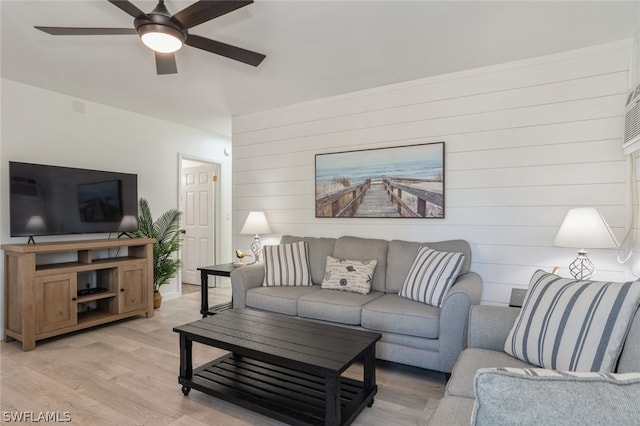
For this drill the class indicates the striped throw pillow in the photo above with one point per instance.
(573, 325)
(286, 265)
(431, 275)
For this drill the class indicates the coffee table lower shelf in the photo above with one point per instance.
(287, 395)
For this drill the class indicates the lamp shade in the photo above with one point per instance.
(128, 223)
(585, 228)
(36, 224)
(256, 224)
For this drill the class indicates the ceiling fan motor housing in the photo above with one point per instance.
(159, 23)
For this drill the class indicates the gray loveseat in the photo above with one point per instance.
(413, 333)
(585, 403)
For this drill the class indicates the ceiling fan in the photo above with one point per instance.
(165, 33)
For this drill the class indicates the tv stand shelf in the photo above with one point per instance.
(98, 296)
(41, 295)
(81, 266)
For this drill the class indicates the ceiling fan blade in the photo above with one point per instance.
(86, 31)
(129, 7)
(166, 63)
(223, 49)
(206, 10)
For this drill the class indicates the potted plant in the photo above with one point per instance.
(166, 231)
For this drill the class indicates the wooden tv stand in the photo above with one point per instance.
(42, 281)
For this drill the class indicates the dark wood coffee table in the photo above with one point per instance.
(283, 367)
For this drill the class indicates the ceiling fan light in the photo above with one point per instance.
(161, 38)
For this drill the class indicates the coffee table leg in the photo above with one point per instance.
(332, 415)
(186, 361)
(369, 379)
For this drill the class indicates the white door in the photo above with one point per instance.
(198, 247)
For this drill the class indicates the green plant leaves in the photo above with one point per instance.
(167, 233)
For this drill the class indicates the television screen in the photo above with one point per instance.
(54, 200)
(100, 202)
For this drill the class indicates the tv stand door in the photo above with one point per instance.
(56, 306)
(133, 287)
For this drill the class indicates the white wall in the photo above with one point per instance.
(46, 127)
(524, 142)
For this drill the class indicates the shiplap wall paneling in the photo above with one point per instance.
(524, 142)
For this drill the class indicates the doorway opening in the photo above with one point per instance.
(199, 202)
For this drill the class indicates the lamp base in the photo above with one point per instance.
(582, 268)
(256, 248)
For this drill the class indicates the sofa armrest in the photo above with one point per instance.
(470, 284)
(243, 279)
(454, 315)
(489, 326)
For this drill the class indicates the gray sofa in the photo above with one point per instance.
(413, 333)
(489, 327)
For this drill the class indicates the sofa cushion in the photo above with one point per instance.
(349, 275)
(406, 342)
(431, 276)
(394, 314)
(470, 361)
(336, 306)
(401, 255)
(573, 325)
(365, 249)
(286, 265)
(542, 397)
(282, 299)
(318, 249)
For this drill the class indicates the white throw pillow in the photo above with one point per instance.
(573, 325)
(349, 275)
(286, 265)
(431, 276)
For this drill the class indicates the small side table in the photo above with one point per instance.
(517, 297)
(222, 270)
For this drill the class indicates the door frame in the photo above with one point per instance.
(217, 209)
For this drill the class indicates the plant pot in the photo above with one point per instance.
(157, 299)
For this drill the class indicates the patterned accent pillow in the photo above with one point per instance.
(509, 396)
(349, 275)
(431, 276)
(286, 265)
(573, 325)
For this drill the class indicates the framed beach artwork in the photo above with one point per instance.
(396, 182)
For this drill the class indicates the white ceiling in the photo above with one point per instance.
(314, 49)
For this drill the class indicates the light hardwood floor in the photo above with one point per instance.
(126, 374)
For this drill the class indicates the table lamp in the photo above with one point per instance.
(256, 224)
(584, 227)
(129, 223)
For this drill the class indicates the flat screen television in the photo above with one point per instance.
(54, 200)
